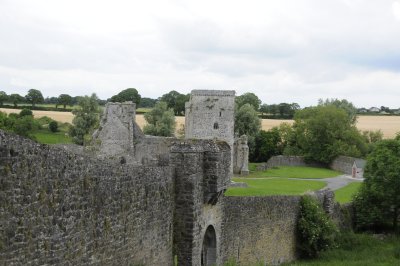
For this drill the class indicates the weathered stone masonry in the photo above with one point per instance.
(60, 208)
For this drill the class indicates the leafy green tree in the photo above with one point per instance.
(53, 126)
(147, 102)
(347, 106)
(16, 99)
(324, 132)
(176, 101)
(315, 230)
(247, 123)
(378, 201)
(3, 97)
(126, 95)
(267, 144)
(34, 97)
(64, 100)
(85, 120)
(24, 125)
(4, 121)
(25, 112)
(248, 98)
(160, 121)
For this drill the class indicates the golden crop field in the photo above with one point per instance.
(389, 125)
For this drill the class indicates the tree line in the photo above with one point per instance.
(319, 133)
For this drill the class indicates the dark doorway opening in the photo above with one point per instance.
(209, 249)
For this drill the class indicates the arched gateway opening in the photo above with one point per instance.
(209, 248)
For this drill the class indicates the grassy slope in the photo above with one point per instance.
(345, 194)
(361, 250)
(273, 186)
(295, 172)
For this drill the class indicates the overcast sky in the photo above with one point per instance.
(282, 50)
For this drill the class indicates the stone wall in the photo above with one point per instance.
(259, 229)
(57, 207)
(202, 174)
(282, 160)
(345, 164)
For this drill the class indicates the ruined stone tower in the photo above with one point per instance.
(210, 115)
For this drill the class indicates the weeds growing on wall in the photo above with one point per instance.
(316, 231)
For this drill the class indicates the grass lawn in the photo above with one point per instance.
(345, 194)
(360, 250)
(273, 186)
(295, 172)
(46, 137)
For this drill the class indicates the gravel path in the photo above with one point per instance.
(335, 183)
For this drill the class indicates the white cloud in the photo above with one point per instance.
(284, 51)
(396, 10)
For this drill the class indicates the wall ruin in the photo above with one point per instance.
(210, 114)
(137, 200)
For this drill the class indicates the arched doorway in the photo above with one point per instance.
(209, 248)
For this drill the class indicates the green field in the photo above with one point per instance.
(345, 194)
(295, 172)
(143, 110)
(46, 137)
(273, 186)
(359, 250)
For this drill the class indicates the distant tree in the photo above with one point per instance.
(294, 107)
(34, 97)
(16, 99)
(147, 102)
(385, 109)
(264, 109)
(347, 106)
(85, 120)
(64, 99)
(324, 132)
(3, 97)
(249, 98)
(130, 94)
(160, 121)
(285, 109)
(76, 99)
(176, 101)
(378, 201)
(51, 100)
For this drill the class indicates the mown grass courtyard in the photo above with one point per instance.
(289, 180)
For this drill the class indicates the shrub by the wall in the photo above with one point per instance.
(316, 231)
